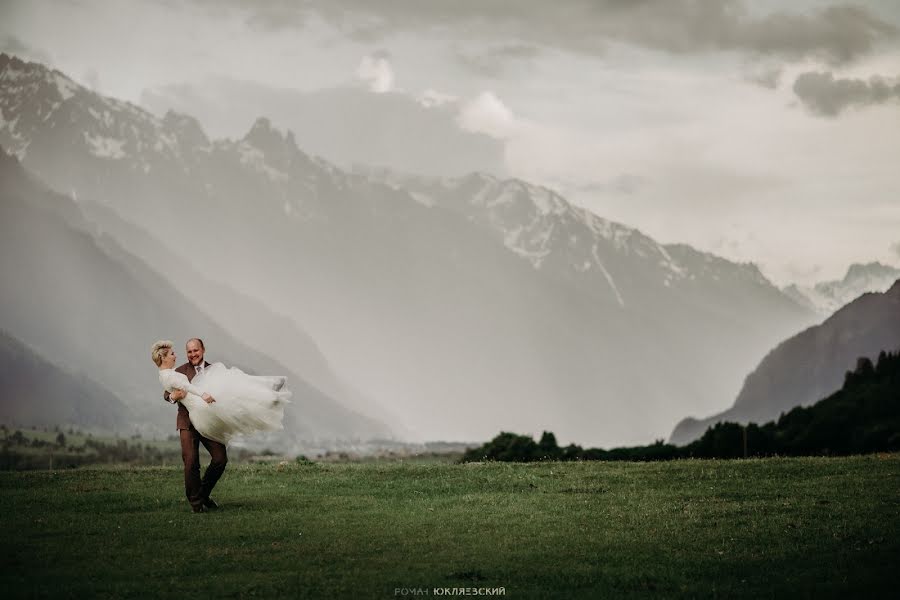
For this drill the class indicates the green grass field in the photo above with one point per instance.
(814, 527)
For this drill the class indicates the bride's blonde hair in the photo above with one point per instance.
(159, 351)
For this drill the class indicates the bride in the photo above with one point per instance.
(224, 402)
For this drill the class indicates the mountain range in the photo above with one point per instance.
(828, 296)
(459, 305)
(810, 365)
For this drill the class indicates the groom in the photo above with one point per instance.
(197, 489)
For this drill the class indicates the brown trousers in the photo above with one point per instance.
(196, 489)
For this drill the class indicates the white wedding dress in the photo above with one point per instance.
(243, 403)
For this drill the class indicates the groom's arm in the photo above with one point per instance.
(174, 397)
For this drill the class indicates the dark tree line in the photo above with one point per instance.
(862, 417)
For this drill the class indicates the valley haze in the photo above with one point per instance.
(537, 225)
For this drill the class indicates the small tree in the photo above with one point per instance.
(865, 367)
(548, 447)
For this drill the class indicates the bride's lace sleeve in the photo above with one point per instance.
(175, 380)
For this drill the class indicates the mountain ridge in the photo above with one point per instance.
(809, 366)
(38, 393)
(825, 297)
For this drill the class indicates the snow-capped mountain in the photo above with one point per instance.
(553, 235)
(464, 305)
(828, 296)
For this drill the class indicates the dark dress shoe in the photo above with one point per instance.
(210, 504)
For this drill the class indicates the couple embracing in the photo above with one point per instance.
(215, 403)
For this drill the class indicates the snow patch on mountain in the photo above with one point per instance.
(608, 277)
(65, 86)
(104, 147)
(254, 158)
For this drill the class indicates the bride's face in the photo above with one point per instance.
(168, 360)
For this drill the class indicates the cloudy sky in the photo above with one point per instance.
(762, 131)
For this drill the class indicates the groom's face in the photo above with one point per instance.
(194, 352)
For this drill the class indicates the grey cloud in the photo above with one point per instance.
(91, 78)
(803, 272)
(625, 184)
(276, 16)
(767, 78)
(895, 247)
(826, 96)
(837, 33)
(498, 60)
(13, 45)
(628, 184)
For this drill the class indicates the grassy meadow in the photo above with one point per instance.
(813, 527)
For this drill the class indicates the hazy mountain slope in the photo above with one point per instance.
(671, 308)
(38, 393)
(810, 365)
(241, 315)
(92, 307)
